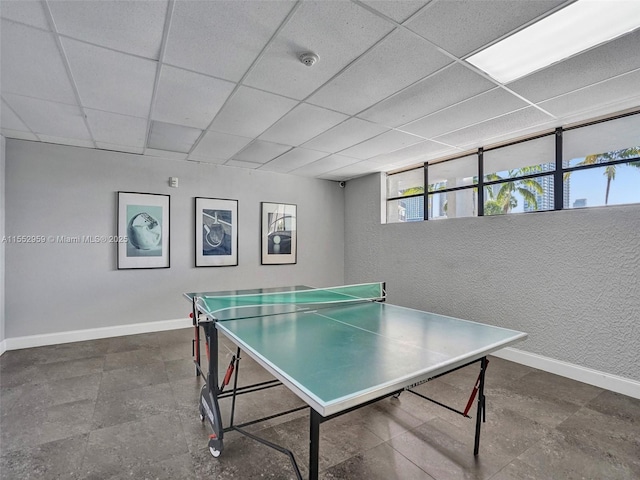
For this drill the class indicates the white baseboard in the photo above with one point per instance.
(30, 341)
(3, 346)
(626, 386)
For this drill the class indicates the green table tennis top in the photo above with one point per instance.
(339, 356)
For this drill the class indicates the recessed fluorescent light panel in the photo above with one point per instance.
(575, 28)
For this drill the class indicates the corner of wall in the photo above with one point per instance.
(2, 217)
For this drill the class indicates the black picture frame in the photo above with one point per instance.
(144, 220)
(279, 234)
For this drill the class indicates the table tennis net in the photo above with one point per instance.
(228, 307)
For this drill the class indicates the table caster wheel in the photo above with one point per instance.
(215, 447)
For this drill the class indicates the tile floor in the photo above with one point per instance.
(127, 407)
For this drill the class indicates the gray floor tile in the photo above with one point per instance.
(541, 409)
(545, 385)
(132, 342)
(59, 459)
(46, 372)
(177, 467)
(616, 405)
(379, 463)
(134, 377)
(338, 442)
(127, 407)
(605, 436)
(27, 426)
(121, 406)
(131, 358)
(559, 456)
(126, 447)
(385, 419)
(42, 395)
(446, 452)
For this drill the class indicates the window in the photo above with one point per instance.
(453, 188)
(405, 196)
(598, 164)
(517, 178)
(602, 163)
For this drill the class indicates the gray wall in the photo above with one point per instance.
(568, 278)
(61, 190)
(2, 215)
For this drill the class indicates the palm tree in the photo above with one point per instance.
(413, 191)
(610, 170)
(505, 199)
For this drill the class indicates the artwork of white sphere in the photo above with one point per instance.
(144, 232)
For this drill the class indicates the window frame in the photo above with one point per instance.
(558, 173)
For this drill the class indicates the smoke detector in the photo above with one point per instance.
(309, 58)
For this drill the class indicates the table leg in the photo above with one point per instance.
(314, 444)
(481, 411)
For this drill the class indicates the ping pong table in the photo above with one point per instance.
(338, 349)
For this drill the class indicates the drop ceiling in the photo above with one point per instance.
(221, 81)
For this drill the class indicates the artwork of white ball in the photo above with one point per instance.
(144, 231)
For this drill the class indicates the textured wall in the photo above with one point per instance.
(59, 190)
(570, 279)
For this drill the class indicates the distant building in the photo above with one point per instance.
(412, 209)
(579, 203)
(546, 200)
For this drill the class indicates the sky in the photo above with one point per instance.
(592, 184)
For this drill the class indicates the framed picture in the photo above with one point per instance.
(216, 232)
(143, 218)
(279, 233)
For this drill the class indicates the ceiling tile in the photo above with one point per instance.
(219, 145)
(20, 135)
(249, 112)
(418, 153)
(398, 10)
(352, 171)
(338, 32)
(378, 86)
(401, 59)
(477, 109)
(261, 152)
(66, 141)
(463, 26)
(117, 129)
(152, 152)
(9, 120)
(32, 64)
(175, 138)
(131, 27)
(346, 134)
(187, 98)
(29, 13)
(111, 81)
(301, 124)
(614, 58)
(449, 86)
(64, 121)
(242, 164)
(494, 130)
(119, 148)
(605, 97)
(222, 38)
(324, 165)
(212, 160)
(294, 158)
(385, 143)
